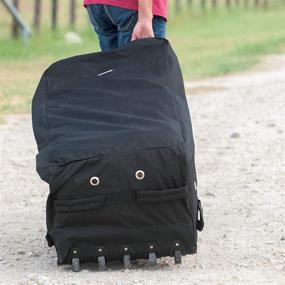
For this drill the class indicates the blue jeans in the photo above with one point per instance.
(114, 25)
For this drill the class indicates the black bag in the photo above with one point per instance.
(115, 145)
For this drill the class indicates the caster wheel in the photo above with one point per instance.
(101, 263)
(152, 259)
(177, 257)
(75, 264)
(127, 261)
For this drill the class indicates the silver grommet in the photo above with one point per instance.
(140, 175)
(94, 181)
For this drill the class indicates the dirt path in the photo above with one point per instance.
(240, 138)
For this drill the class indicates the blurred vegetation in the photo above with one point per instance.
(208, 42)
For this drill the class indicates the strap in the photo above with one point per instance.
(160, 195)
(200, 219)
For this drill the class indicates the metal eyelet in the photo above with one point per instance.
(94, 181)
(140, 175)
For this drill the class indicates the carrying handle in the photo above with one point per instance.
(200, 219)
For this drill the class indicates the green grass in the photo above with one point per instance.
(226, 41)
(207, 44)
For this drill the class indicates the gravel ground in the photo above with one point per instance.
(239, 130)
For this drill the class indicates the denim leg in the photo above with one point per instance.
(115, 25)
(108, 41)
(124, 37)
(125, 20)
(104, 27)
(159, 27)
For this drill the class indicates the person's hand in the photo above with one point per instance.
(143, 29)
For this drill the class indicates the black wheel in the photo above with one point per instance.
(127, 261)
(177, 257)
(75, 264)
(152, 259)
(101, 263)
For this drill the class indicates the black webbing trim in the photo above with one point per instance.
(160, 195)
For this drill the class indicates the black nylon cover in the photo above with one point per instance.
(109, 114)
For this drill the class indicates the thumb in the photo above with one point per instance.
(134, 37)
